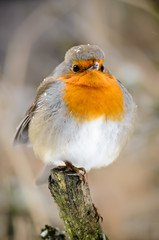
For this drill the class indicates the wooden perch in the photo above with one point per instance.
(71, 193)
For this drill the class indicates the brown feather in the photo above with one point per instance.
(21, 136)
(22, 131)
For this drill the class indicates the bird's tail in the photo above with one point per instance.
(43, 176)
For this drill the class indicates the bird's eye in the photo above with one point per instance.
(76, 68)
(102, 68)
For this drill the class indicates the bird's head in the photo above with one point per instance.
(84, 65)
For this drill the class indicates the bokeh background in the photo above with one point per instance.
(34, 36)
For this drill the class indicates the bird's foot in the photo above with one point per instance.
(97, 215)
(68, 166)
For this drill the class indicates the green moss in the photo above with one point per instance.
(76, 210)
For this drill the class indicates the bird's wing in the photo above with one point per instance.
(21, 136)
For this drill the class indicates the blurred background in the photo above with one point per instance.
(34, 36)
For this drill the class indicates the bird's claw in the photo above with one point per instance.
(69, 166)
(97, 215)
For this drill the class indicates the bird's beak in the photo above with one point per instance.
(94, 66)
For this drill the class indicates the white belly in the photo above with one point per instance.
(95, 144)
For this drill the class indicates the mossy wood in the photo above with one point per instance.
(72, 195)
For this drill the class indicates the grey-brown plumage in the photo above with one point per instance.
(22, 135)
(83, 52)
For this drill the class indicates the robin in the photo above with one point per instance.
(82, 115)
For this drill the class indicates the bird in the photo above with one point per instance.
(82, 115)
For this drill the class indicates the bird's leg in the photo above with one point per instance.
(68, 166)
(72, 167)
(97, 215)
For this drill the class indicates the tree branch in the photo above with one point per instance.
(71, 193)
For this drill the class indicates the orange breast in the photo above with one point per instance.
(92, 94)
